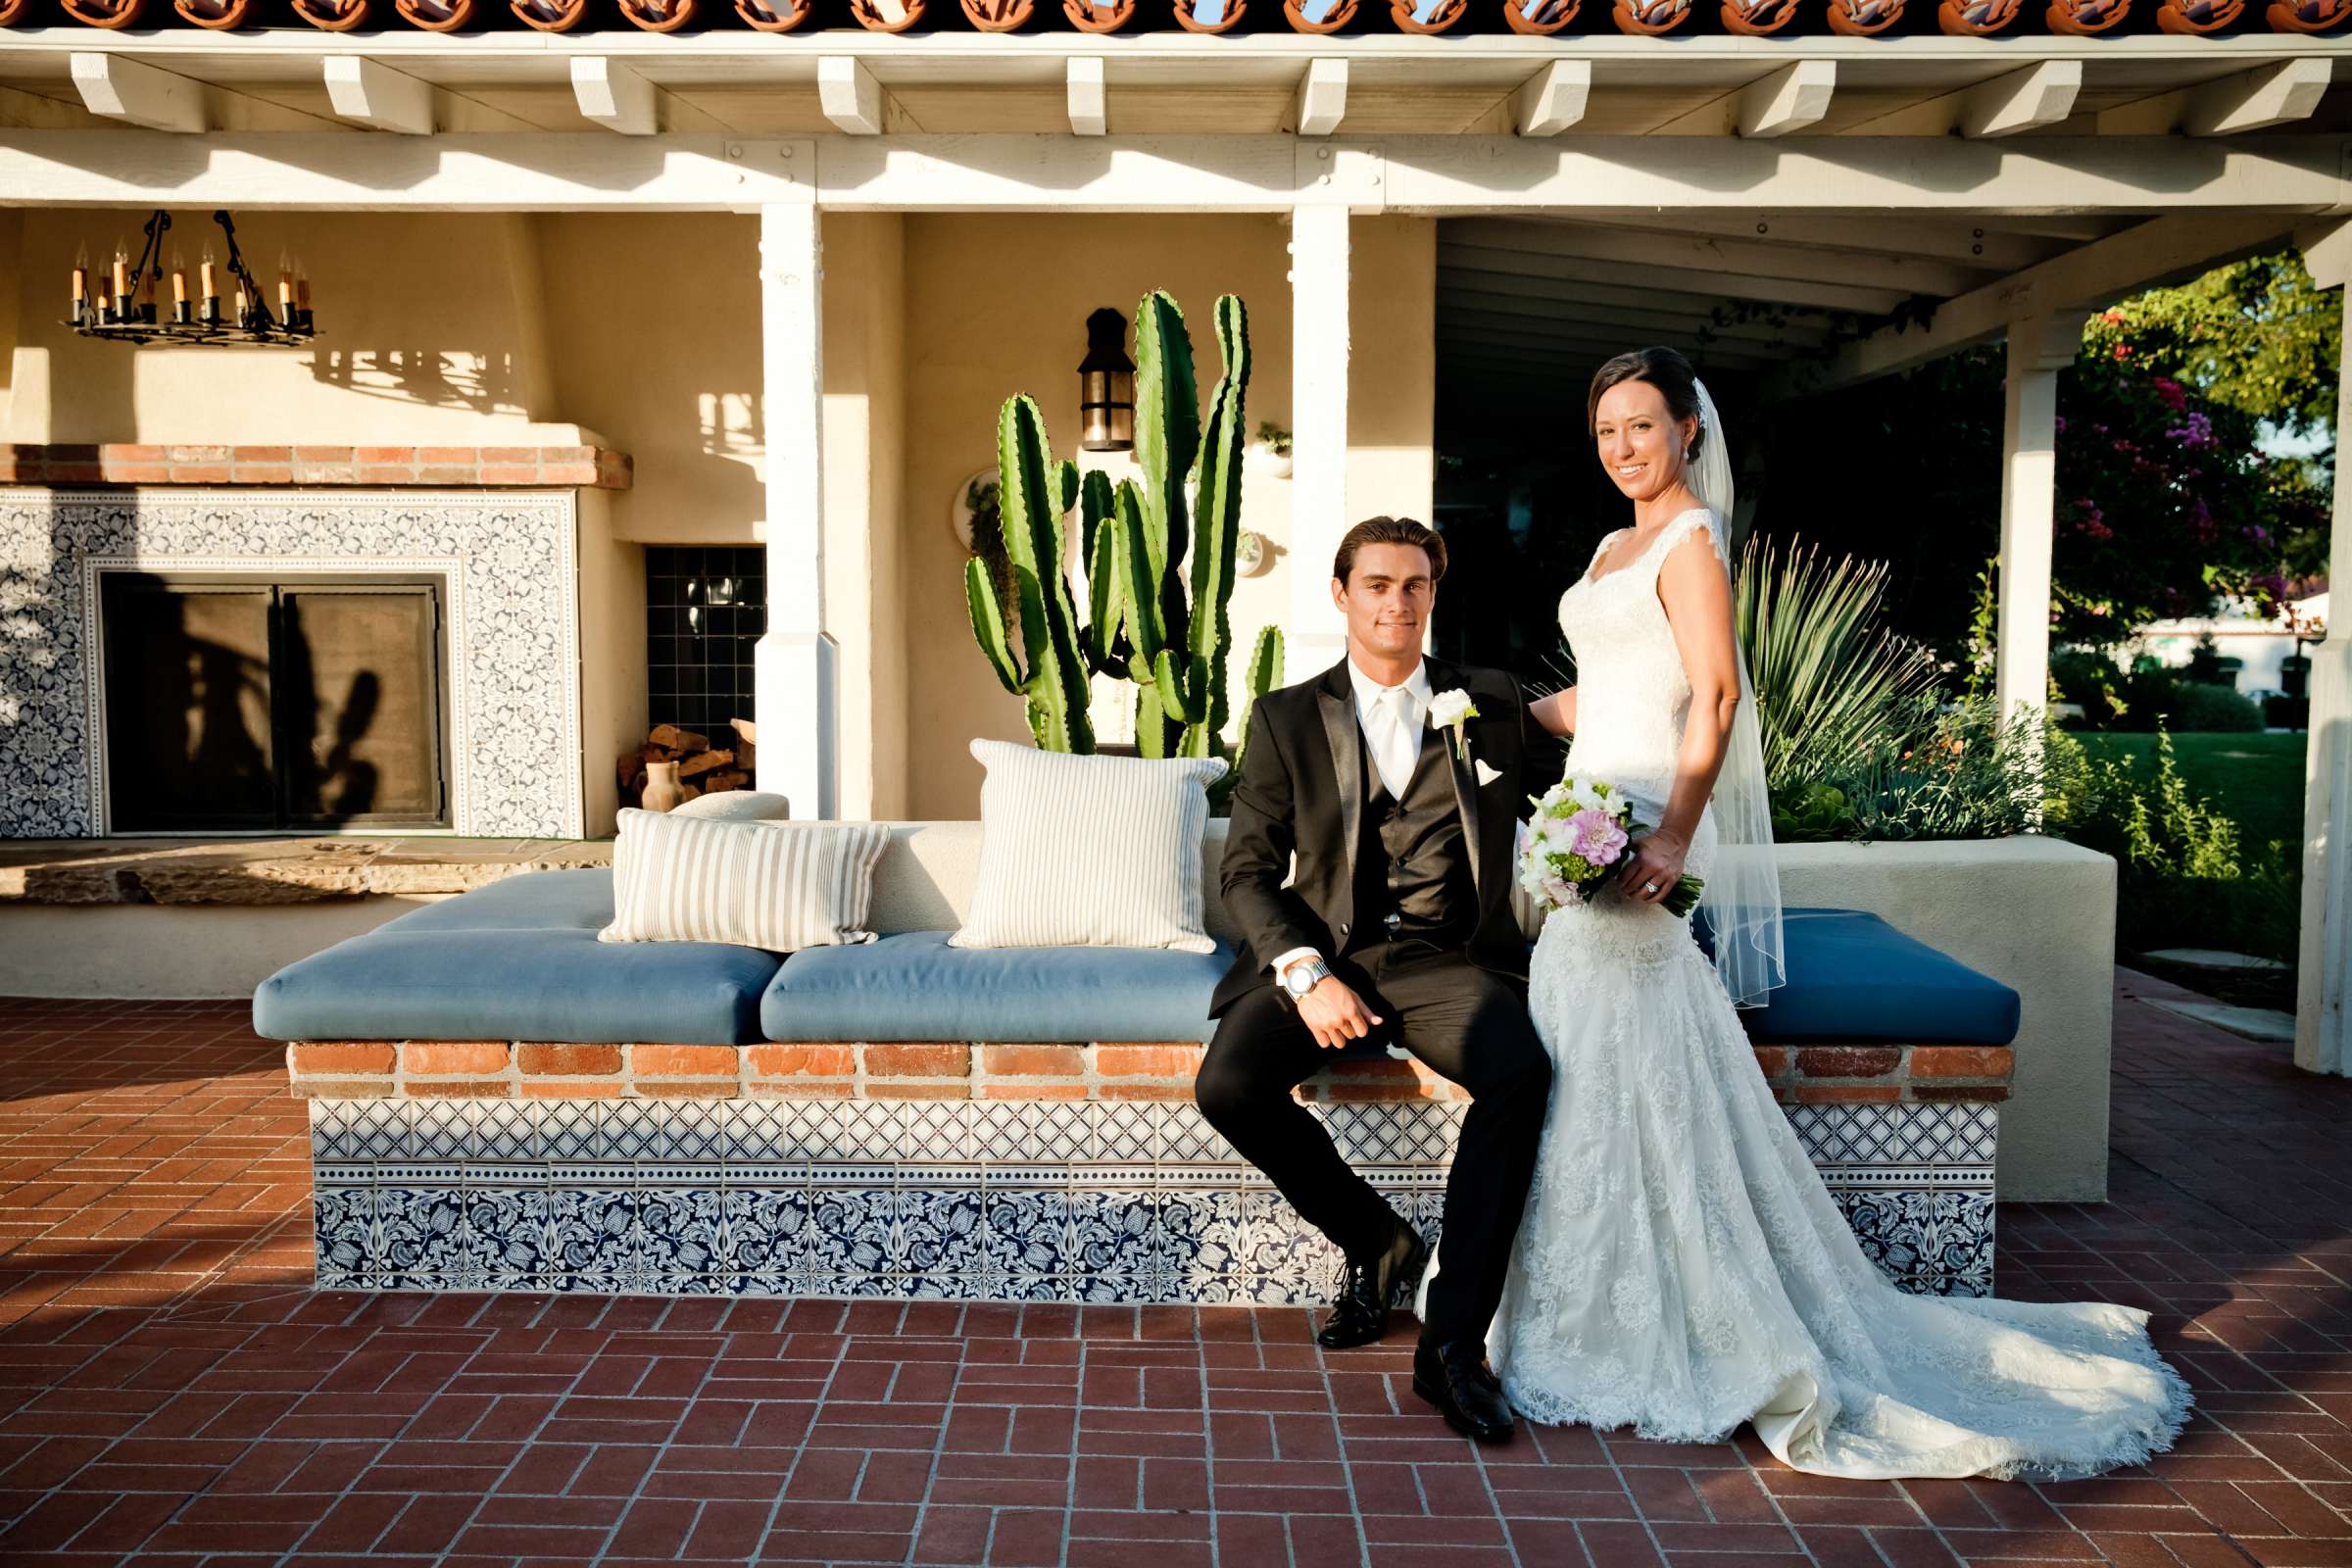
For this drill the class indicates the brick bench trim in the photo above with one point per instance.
(374, 1069)
(133, 462)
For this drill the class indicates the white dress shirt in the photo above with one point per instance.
(1415, 714)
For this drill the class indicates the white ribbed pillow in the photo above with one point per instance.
(1099, 852)
(781, 886)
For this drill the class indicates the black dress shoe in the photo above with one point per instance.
(1455, 1379)
(1361, 1313)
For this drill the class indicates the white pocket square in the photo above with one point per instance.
(1485, 775)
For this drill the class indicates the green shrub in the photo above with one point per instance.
(2183, 877)
(1946, 773)
(2198, 706)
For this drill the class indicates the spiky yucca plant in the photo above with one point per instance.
(1831, 680)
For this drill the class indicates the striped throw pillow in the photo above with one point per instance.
(781, 886)
(1099, 852)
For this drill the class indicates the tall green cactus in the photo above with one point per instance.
(1033, 492)
(1135, 540)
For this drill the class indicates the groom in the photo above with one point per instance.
(1395, 925)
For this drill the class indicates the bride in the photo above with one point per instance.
(1682, 1269)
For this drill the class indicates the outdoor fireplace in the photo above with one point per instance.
(305, 660)
(236, 702)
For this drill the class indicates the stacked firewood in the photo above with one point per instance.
(703, 768)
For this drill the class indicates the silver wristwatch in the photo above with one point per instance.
(1303, 977)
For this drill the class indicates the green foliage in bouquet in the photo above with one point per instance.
(1137, 541)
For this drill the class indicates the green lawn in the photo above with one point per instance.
(2257, 779)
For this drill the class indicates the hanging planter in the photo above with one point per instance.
(108, 14)
(335, 16)
(1757, 19)
(1863, 18)
(1647, 18)
(550, 15)
(1539, 19)
(1427, 15)
(1318, 15)
(998, 16)
(435, 16)
(1209, 16)
(2308, 16)
(1975, 19)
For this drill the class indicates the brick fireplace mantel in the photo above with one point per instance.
(122, 463)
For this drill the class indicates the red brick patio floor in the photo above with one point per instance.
(172, 1391)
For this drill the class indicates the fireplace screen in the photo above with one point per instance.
(243, 705)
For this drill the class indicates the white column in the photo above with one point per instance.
(795, 671)
(1317, 637)
(2039, 347)
(2323, 973)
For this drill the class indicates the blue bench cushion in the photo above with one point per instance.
(914, 986)
(517, 959)
(1853, 977)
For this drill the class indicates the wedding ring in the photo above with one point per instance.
(1650, 886)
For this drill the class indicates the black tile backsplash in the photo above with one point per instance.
(705, 607)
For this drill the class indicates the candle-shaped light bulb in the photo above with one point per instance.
(285, 283)
(302, 286)
(121, 267)
(179, 277)
(81, 278)
(204, 276)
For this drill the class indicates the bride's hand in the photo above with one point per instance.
(1654, 867)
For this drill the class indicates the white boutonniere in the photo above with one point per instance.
(1451, 710)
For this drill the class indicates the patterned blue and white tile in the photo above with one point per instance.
(678, 1237)
(342, 1228)
(506, 1231)
(418, 1239)
(588, 1241)
(1928, 1242)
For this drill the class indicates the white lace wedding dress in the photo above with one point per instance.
(1682, 1269)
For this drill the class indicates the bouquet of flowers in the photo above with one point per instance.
(1578, 840)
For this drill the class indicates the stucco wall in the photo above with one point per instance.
(997, 304)
(2036, 915)
(470, 329)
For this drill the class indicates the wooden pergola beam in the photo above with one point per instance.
(124, 89)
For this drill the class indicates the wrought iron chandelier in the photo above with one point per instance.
(125, 308)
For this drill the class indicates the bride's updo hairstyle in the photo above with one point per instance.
(1664, 368)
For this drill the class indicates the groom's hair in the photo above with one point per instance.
(1389, 531)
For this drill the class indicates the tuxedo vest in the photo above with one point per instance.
(1411, 860)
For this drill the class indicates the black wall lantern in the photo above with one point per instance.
(1106, 385)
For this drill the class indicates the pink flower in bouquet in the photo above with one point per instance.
(1598, 838)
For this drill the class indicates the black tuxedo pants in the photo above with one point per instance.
(1467, 1024)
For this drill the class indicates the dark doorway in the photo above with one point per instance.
(236, 705)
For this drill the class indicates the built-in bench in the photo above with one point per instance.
(501, 1101)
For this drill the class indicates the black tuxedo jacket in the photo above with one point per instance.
(1300, 793)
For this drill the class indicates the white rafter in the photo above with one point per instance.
(1089, 95)
(1552, 99)
(1790, 99)
(1322, 97)
(2257, 99)
(368, 93)
(2042, 94)
(124, 89)
(613, 95)
(848, 95)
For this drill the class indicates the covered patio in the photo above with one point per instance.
(171, 1390)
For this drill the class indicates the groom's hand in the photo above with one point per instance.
(1335, 1014)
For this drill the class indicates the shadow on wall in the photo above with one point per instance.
(216, 716)
(484, 383)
